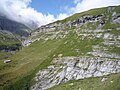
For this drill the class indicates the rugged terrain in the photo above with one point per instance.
(13, 26)
(67, 54)
(11, 35)
(92, 42)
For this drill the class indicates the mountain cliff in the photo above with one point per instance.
(14, 27)
(81, 52)
(11, 35)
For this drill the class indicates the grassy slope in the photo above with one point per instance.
(8, 40)
(25, 63)
(30, 58)
(39, 55)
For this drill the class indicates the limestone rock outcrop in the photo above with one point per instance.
(64, 69)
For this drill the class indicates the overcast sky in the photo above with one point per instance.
(41, 12)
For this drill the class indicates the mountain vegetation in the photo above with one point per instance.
(81, 52)
(11, 35)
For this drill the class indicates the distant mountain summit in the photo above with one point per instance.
(13, 26)
(11, 34)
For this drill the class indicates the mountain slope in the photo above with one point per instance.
(14, 27)
(8, 39)
(11, 35)
(93, 35)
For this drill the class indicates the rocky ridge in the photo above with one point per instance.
(85, 22)
(102, 59)
(13, 26)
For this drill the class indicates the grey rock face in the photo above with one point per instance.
(12, 26)
(74, 68)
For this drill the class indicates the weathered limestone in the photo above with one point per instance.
(116, 19)
(74, 68)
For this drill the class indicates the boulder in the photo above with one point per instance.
(7, 61)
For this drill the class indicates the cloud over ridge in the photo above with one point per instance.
(21, 11)
(84, 5)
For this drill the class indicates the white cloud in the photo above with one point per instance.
(20, 11)
(84, 5)
(62, 16)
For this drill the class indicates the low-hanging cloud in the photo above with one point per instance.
(84, 5)
(20, 11)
